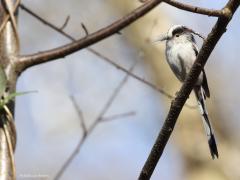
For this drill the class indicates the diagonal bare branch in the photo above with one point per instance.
(62, 51)
(114, 95)
(96, 52)
(178, 102)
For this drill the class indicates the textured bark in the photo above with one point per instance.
(9, 50)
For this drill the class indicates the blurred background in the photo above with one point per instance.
(49, 123)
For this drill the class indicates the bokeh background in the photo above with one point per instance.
(48, 124)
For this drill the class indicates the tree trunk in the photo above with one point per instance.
(9, 51)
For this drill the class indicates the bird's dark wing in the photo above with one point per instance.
(183, 72)
(195, 49)
(176, 71)
(204, 82)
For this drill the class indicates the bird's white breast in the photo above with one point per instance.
(183, 50)
(181, 55)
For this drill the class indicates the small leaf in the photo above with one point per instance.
(5, 100)
(13, 95)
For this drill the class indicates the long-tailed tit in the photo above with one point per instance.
(181, 52)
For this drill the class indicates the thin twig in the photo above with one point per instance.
(118, 116)
(132, 74)
(79, 144)
(150, 84)
(114, 95)
(80, 115)
(65, 23)
(98, 119)
(85, 29)
(42, 20)
(101, 56)
(178, 102)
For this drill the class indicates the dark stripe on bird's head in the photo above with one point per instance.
(178, 30)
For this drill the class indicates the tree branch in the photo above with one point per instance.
(178, 102)
(62, 51)
(190, 8)
(194, 9)
(98, 54)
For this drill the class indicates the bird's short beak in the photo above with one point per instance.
(161, 38)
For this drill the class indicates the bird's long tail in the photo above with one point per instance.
(199, 92)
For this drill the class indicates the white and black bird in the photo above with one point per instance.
(181, 52)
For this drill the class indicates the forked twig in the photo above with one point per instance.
(88, 131)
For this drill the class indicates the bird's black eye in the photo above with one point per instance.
(176, 32)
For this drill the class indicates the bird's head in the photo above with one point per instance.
(174, 33)
(179, 32)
